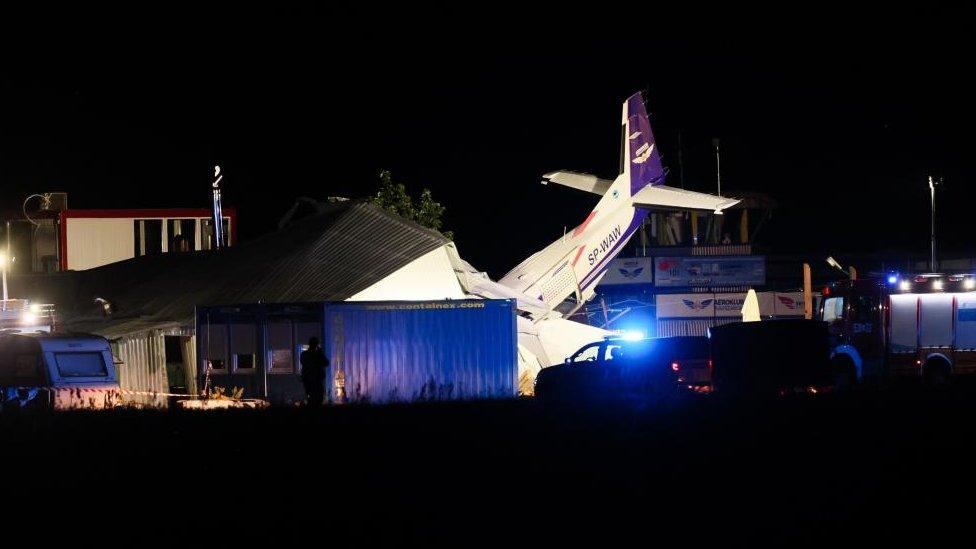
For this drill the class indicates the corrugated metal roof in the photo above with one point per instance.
(326, 257)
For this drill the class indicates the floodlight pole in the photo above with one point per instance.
(932, 265)
(218, 213)
(718, 167)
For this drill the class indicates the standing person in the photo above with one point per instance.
(314, 364)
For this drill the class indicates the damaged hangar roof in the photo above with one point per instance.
(329, 256)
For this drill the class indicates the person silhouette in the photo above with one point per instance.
(314, 364)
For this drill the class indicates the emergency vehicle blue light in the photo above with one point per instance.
(632, 335)
(892, 279)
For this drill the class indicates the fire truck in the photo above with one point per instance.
(919, 326)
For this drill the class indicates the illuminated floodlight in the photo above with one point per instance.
(28, 317)
(937, 284)
(892, 279)
(35, 308)
(3, 259)
(905, 285)
(969, 283)
(632, 335)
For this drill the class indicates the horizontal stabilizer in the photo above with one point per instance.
(660, 197)
(581, 181)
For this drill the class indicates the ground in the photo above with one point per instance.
(881, 465)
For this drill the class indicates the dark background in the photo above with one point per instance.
(839, 115)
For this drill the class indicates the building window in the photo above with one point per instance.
(207, 234)
(147, 235)
(182, 235)
(243, 343)
(213, 347)
(281, 344)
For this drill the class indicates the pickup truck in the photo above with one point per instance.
(618, 369)
(59, 371)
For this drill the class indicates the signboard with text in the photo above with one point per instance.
(708, 305)
(630, 270)
(746, 270)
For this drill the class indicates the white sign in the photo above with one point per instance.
(771, 305)
(631, 270)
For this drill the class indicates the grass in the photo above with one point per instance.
(881, 463)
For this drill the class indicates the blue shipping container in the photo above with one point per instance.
(378, 351)
(429, 350)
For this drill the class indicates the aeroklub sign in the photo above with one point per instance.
(771, 305)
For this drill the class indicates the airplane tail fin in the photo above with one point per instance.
(641, 160)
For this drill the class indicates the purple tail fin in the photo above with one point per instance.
(643, 159)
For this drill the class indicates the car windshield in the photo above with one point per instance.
(590, 353)
(87, 364)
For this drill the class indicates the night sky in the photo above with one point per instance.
(839, 116)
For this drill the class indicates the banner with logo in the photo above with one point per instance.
(631, 270)
(771, 305)
(745, 270)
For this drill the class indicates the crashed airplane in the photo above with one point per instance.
(556, 281)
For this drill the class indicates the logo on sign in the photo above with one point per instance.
(643, 153)
(631, 273)
(788, 302)
(671, 267)
(697, 305)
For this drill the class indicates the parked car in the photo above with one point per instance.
(621, 369)
(60, 371)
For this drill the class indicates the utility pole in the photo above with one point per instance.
(718, 167)
(932, 265)
(681, 164)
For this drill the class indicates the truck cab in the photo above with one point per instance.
(60, 371)
(920, 326)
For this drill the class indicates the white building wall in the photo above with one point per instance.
(430, 276)
(94, 242)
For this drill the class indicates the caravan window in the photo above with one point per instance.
(21, 370)
(80, 364)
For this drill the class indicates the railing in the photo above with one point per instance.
(704, 250)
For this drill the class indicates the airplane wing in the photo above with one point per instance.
(493, 290)
(576, 180)
(661, 197)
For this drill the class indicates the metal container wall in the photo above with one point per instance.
(430, 350)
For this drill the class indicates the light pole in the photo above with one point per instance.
(4, 261)
(932, 185)
(718, 167)
(218, 212)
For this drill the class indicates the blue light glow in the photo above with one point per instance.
(892, 279)
(632, 335)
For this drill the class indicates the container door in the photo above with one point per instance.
(904, 323)
(935, 321)
(966, 322)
